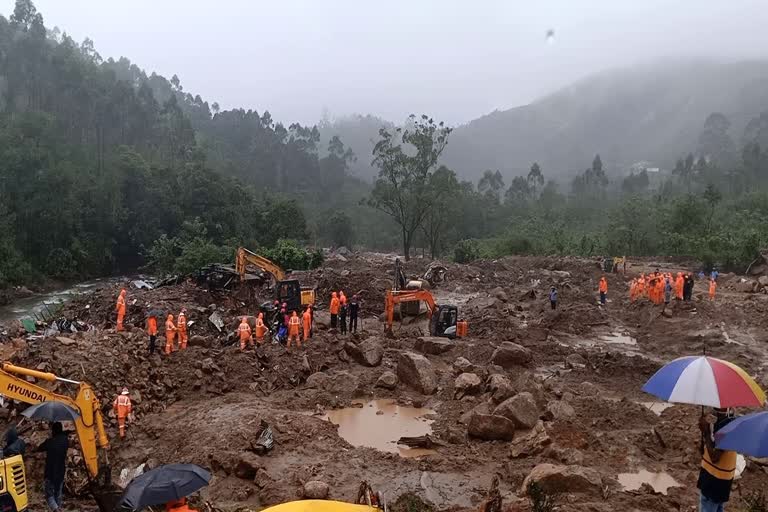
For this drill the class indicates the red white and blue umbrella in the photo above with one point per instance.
(707, 381)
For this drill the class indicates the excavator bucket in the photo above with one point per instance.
(105, 493)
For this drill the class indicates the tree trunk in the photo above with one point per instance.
(406, 245)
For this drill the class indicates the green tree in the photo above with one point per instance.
(444, 212)
(491, 185)
(535, 179)
(712, 196)
(402, 189)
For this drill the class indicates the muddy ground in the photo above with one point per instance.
(579, 369)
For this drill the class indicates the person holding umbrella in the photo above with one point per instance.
(179, 506)
(152, 330)
(718, 467)
(55, 448)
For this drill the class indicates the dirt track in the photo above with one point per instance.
(205, 405)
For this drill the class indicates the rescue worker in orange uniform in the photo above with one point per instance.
(660, 290)
(293, 330)
(603, 288)
(342, 298)
(306, 320)
(122, 406)
(181, 326)
(152, 331)
(170, 334)
(712, 289)
(179, 506)
(261, 329)
(244, 332)
(120, 308)
(679, 281)
(334, 309)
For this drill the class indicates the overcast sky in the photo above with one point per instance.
(453, 59)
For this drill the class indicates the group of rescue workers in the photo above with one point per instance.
(659, 287)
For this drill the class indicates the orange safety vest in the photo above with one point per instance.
(293, 325)
(182, 322)
(245, 331)
(725, 469)
(121, 304)
(604, 286)
(122, 405)
(152, 326)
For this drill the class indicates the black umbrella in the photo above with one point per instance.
(157, 313)
(51, 411)
(163, 484)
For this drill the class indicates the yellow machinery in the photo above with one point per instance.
(89, 427)
(288, 291)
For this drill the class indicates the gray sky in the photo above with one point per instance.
(452, 59)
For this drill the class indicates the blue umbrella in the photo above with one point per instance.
(747, 435)
(163, 484)
(51, 411)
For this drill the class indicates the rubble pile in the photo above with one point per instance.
(530, 395)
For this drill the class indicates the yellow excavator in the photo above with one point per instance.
(90, 432)
(287, 291)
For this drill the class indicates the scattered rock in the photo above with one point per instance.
(482, 408)
(532, 444)
(368, 353)
(559, 410)
(467, 384)
(388, 380)
(500, 387)
(490, 427)
(462, 365)
(575, 361)
(200, 341)
(316, 490)
(416, 371)
(247, 466)
(508, 355)
(432, 345)
(208, 366)
(66, 341)
(338, 383)
(521, 409)
(554, 478)
(588, 389)
(499, 294)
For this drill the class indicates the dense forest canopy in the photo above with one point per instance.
(106, 169)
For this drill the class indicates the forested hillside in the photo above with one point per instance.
(99, 162)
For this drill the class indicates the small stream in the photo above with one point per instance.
(47, 303)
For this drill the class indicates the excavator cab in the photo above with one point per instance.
(443, 321)
(13, 485)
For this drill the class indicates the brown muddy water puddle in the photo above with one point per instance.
(380, 423)
(660, 482)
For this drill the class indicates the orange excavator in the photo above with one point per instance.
(89, 427)
(443, 319)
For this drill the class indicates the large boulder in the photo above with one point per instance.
(316, 490)
(521, 409)
(367, 353)
(467, 384)
(500, 387)
(338, 383)
(462, 365)
(416, 371)
(490, 427)
(575, 361)
(553, 478)
(498, 293)
(388, 380)
(559, 410)
(508, 355)
(433, 345)
(201, 341)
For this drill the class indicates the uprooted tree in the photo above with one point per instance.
(404, 188)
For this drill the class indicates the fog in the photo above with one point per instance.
(453, 59)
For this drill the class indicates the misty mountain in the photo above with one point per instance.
(653, 112)
(360, 134)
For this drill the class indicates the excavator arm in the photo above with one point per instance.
(244, 257)
(90, 424)
(397, 296)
